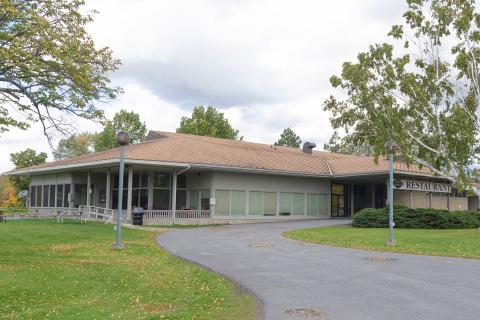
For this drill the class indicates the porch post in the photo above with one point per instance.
(174, 197)
(108, 190)
(150, 190)
(129, 194)
(71, 196)
(89, 183)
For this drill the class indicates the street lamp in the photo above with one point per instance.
(122, 139)
(391, 148)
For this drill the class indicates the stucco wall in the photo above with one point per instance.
(402, 197)
(440, 202)
(458, 204)
(419, 200)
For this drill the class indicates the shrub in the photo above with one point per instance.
(405, 217)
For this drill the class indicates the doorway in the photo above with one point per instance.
(338, 201)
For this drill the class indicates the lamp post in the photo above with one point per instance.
(122, 139)
(391, 147)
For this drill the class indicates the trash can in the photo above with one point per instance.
(137, 216)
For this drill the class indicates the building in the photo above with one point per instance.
(193, 178)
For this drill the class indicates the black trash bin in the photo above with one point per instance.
(137, 216)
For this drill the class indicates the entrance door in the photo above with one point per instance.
(338, 201)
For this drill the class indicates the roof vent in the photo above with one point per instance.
(308, 146)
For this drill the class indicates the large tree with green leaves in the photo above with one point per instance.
(288, 138)
(74, 146)
(424, 94)
(344, 145)
(23, 159)
(208, 122)
(50, 69)
(123, 120)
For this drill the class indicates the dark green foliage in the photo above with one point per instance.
(407, 218)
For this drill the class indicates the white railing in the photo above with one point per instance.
(168, 217)
(96, 213)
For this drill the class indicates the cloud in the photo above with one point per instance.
(264, 63)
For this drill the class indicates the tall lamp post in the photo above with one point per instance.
(391, 147)
(122, 139)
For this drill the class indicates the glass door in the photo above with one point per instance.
(338, 201)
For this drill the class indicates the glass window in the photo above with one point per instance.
(194, 201)
(144, 182)
(65, 198)
(181, 181)
(223, 202)
(115, 181)
(270, 203)
(115, 199)
(45, 196)
(51, 194)
(143, 198)
(298, 203)
(33, 195)
(312, 204)
(181, 199)
(205, 199)
(255, 203)
(161, 199)
(239, 199)
(136, 180)
(38, 198)
(323, 200)
(60, 195)
(161, 180)
(337, 189)
(285, 203)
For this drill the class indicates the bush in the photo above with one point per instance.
(405, 217)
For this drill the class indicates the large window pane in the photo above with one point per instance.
(65, 198)
(312, 204)
(33, 194)
(255, 203)
(181, 181)
(239, 199)
(51, 201)
(161, 180)
(285, 203)
(181, 199)
(161, 199)
(144, 198)
(144, 182)
(298, 204)
(323, 200)
(45, 196)
(270, 203)
(194, 201)
(223, 202)
(115, 199)
(59, 195)
(205, 200)
(38, 198)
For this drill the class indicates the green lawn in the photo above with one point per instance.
(69, 271)
(464, 243)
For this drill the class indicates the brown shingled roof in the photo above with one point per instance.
(208, 151)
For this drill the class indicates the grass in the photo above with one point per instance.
(460, 243)
(69, 271)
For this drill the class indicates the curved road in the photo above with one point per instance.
(331, 283)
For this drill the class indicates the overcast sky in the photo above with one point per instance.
(265, 63)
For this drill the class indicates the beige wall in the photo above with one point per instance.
(402, 197)
(458, 204)
(440, 202)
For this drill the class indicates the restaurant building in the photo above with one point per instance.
(193, 179)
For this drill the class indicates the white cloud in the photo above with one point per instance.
(265, 63)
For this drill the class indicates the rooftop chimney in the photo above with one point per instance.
(308, 146)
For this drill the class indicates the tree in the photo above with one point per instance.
(74, 146)
(288, 138)
(344, 145)
(122, 121)
(424, 96)
(49, 66)
(22, 159)
(209, 122)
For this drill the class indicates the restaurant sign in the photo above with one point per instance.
(416, 185)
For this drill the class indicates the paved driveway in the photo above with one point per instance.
(339, 284)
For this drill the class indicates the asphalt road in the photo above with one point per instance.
(293, 279)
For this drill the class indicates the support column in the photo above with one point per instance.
(352, 199)
(212, 195)
(150, 190)
(71, 196)
(174, 197)
(448, 202)
(108, 190)
(411, 199)
(373, 195)
(430, 200)
(89, 184)
(129, 194)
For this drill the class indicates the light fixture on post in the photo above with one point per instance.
(123, 140)
(391, 147)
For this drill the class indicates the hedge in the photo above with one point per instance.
(405, 217)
